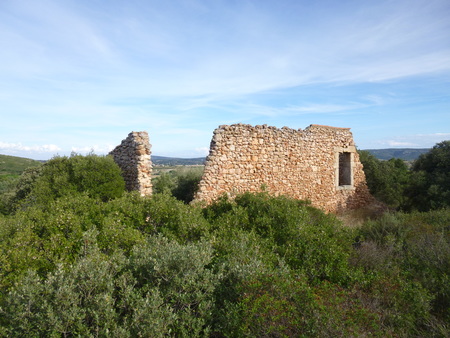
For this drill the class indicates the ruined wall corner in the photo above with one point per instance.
(133, 156)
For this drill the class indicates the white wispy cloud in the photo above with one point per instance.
(392, 143)
(181, 53)
(417, 140)
(44, 148)
(202, 151)
(96, 149)
(70, 66)
(324, 108)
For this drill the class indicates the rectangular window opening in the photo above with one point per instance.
(345, 169)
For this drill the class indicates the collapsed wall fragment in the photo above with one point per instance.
(133, 157)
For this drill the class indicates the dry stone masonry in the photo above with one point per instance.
(133, 157)
(319, 164)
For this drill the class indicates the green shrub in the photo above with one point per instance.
(40, 238)
(23, 187)
(306, 238)
(164, 183)
(240, 257)
(402, 306)
(95, 296)
(277, 306)
(163, 288)
(181, 183)
(430, 184)
(181, 274)
(387, 180)
(7, 192)
(282, 304)
(97, 176)
(175, 219)
(187, 184)
(417, 246)
(254, 266)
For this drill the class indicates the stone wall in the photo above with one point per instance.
(133, 157)
(319, 164)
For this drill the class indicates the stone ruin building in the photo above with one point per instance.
(133, 157)
(319, 164)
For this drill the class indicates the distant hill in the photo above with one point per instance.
(406, 154)
(161, 160)
(13, 165)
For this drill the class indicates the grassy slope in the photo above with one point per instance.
(13, 166)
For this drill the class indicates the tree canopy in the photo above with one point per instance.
(387, 180)
(430, 184)
(96, 176)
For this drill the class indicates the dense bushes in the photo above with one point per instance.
(85, 265)
(162, 288)
(256, 266)
(430, 184)
(426, 186)
(7, 193)
(387, 180)
(292, 229)
(96, 176)
(181, 183)
(417, 245)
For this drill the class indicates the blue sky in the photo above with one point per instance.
(80, 75)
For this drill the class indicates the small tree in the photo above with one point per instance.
(430, 186)
(181, 183)
(97, 176)
(187, 185)
(387, 180)
(164, 183)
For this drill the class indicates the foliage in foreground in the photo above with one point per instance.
(88, 260)
(255, 266)
(416, 245)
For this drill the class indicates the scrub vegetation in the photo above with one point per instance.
(79, 256)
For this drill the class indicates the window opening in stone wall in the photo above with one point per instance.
(345, 169)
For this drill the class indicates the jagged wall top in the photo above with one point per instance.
(319, 164)
(133, 157)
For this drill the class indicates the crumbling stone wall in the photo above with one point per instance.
(319, 164)
(133, 157)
